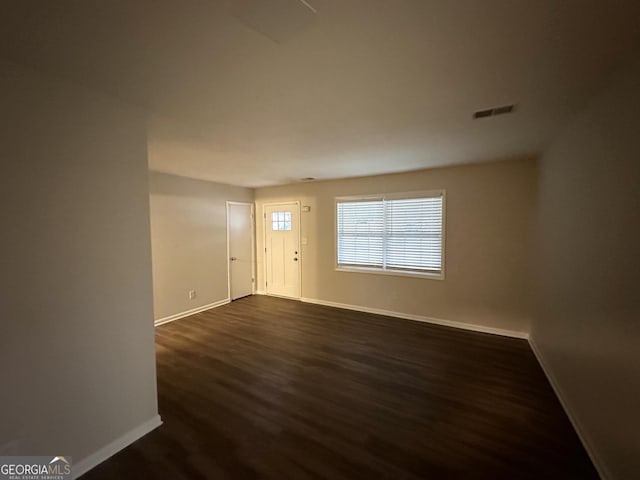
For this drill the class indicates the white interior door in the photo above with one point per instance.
(240, 247)
(282, 249)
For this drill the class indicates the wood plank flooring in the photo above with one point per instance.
(278, 389)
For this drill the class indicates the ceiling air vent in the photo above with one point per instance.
(492, 112)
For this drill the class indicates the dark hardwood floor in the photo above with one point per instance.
(278, 389)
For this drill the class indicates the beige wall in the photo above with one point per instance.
(77, 355)
(189, 241)
(588, 325)
(490, 210)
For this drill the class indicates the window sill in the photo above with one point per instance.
(395, 273)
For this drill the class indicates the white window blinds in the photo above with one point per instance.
(393, 234)
(361, 233)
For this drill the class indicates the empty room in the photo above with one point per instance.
(320, 239)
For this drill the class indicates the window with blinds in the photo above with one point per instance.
(399, 233)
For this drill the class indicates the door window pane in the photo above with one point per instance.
(280, 221)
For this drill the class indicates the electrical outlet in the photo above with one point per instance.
(192, 294)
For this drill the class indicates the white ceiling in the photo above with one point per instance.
(248, 95)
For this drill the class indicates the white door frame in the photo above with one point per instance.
(253, 248)
(264, 242)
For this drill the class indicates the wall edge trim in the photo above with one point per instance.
(577, 425)
(102, 454)
(422, 318)
(193, 311)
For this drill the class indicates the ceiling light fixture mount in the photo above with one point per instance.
(492, 112)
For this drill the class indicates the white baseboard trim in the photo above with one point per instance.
(577, 426)
(193, 311)
(96, 458)
(421, 318)
(260, 292)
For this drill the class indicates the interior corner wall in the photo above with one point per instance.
(587, 328)
(189, 242)
(489, 228)
(76, 335)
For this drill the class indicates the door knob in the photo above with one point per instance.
(233, 258)
(295, 259)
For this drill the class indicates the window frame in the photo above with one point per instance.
(389, 271)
